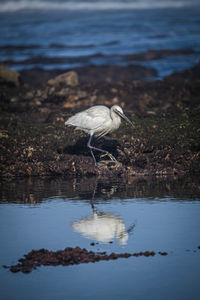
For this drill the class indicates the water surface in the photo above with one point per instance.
(66, 34)
(131, 216)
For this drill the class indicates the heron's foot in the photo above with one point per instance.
(113, 164)
(110, 156)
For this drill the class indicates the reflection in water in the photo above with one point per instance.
(36, 190)
(168, 223)
(103, 227)
(100, 226)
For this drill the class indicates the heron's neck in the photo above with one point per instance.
(115, 118)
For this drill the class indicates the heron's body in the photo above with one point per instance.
(98, 120)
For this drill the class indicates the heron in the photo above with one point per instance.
(98, 121)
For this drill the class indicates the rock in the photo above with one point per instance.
(69, 78)
(9, 76)
(114, 73)
(155, 146)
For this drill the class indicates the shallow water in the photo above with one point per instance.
(130, 216)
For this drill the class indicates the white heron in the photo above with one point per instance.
(98, 120)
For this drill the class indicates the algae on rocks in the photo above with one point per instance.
(164, 140)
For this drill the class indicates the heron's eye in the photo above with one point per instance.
(118, 112)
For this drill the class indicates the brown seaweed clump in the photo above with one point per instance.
(67, 257)
(71, 256)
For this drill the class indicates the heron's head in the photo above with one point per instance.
(118, 110)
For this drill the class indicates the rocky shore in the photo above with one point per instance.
(165, 139)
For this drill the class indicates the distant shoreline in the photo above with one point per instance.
(127, 67)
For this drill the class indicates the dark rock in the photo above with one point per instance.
(164, 140)
(113, 74)
(163, 253)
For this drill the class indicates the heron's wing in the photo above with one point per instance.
(98, 111)
(94, 119)
(98, 119)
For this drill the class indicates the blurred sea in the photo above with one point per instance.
(67, 34)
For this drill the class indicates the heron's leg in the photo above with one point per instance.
(100, 150)
(90, 147)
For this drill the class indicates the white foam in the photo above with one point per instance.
(11, 6)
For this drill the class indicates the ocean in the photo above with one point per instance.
(68, 34)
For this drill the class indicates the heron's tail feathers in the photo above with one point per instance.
(71, 121)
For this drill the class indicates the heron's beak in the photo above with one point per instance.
(125, 118)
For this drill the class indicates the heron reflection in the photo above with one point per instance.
(103, 227)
